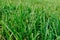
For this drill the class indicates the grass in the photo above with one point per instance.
(29, 20)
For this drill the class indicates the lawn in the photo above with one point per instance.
(29, 19)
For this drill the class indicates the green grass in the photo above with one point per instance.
(30, 19)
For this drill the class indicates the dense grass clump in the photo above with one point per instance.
(29, 20)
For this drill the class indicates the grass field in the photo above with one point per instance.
(29, 19)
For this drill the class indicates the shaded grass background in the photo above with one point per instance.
(30, 19)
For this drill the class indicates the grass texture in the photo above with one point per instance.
(29, 19)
